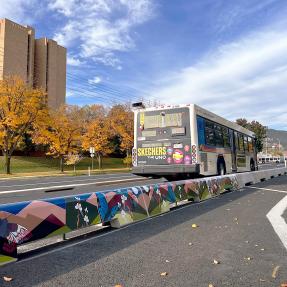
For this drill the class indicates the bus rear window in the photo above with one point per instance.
(163, 120)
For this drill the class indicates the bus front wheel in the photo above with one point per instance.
(252, 165)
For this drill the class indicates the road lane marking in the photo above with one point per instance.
(69, 185)
(77, 180)
(24, 177)
(277, 221)
(268, 189)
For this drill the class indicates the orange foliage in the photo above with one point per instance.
(21, 107)
(122, 123)
(61, 131)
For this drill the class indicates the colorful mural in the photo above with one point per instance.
(28, 221)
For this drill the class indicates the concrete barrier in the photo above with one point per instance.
(24, 222)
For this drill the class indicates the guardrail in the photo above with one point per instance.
(27, 221)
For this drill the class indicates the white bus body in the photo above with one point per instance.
(187, 139)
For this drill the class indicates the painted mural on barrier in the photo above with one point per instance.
(126, 205)
(82, 211)
(27, 221)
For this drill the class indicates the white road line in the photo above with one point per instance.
(67, 186)
(76, 180)
(24, 177)
(277, 221)
(268, 189)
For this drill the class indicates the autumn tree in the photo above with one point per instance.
(122, 122)
(92, 112)
(258, 129)
(61, 132)
(97, 133)
(21, 106)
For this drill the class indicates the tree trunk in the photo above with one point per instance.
(62, 164)
(7, 163)
(100, 161)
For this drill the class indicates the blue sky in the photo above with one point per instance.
(227, 56)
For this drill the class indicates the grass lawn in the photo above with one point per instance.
(22, 164)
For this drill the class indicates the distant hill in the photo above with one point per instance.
(277, 134)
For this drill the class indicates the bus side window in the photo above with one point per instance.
(236, 135)
(200, 130)
(218, 135)
(209, 133)
(245, 143)
(241, 142)
(250, 144)
(253, 145)
(226, 139)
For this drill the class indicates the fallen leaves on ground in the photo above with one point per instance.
(167, 261)
(210, 285)
(194, 225)
(189, 243)
(275, 271)
(248, 258)
(283, 285)
(216, 262)
(163, 274)
(7, 279)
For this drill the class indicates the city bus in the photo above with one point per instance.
(266, 158)
(187, 140)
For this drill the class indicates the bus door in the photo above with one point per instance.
(233, 140)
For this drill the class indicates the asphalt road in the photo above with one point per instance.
(37, 188)
(232, 229)
(29, 188)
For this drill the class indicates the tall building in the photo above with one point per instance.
(39, 62)
(50, 70)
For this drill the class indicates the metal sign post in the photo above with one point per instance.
(92, 154)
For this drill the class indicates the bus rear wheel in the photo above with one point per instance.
(221, 168)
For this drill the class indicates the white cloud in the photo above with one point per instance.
(16, 10)
(95, 80)
(69, 94)
(246, 78)
(63, 6)
(73, 61)
(100, 28)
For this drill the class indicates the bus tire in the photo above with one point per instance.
(252, 165)
(221, 168)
